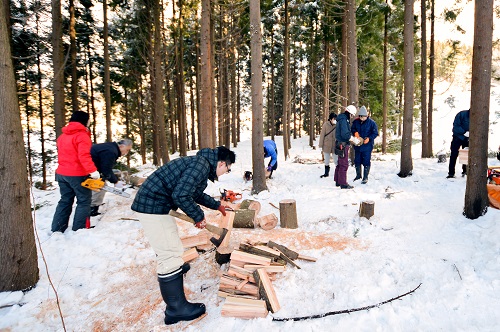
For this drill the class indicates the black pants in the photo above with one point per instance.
(456, 144)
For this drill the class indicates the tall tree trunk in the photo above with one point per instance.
(193, 112)
(41, 115)
(352, 55)
(286, 85)
(206, 90)
(423, 77)
(72, 38)
(232, 75)
(198, 86)
(409, 71)
(159, 104)
(326, 81)
(58, 64)
(107, 81)
(476, 195)
(312, 86)
(172, 116)
(343, 70)
(384, 83)
(259, 177)
(92, 98)
(270, 107)
(431, 85)
(18, 253)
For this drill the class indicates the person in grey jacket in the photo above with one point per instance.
(178, 184)
(327, 142)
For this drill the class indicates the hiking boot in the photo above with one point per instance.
(346, 186)
(358, 173)
(450, 176)
(94, 211)
(366, 171)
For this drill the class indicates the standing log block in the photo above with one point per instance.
(367, 209)
(267, 222)
(244, 218)
(288, 214)
(136, 180)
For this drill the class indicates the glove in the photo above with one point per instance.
(201, 224)
(466, 134)
(269, 168)
(366, 140)
(95, 175)
(222, 210)
(356, 134)
(119, 184)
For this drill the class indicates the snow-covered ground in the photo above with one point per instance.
(105, 276)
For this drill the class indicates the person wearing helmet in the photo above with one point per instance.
(365, 129)
(342, 136)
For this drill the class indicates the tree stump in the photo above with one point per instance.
(244, 218)
(267, 222)
(367, 209)
(288, 214)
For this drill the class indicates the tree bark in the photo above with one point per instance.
(352, 55)
(431, 85)
(181, 102)
(18, 253)
(406, 159)
(423, 77)
(72, 38)
(476, 194)
(384, 82)
(286, 85)
(58, 65)
(107, 81)
(259, 178)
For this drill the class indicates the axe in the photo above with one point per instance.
(211, 228)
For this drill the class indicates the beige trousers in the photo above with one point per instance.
(161, 231)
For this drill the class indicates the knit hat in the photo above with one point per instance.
(81, 117)
(351, 109)
(332, 116)
(363, 111)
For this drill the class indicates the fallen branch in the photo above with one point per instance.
(346, 311)
(274, 206)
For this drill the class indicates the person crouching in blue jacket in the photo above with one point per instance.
(270, 150)
(178, 184)
(365, 129)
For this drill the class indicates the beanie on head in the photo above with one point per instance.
(81, 117)
(363, 111)
(332, 116)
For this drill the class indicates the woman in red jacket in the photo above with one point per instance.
(75, 165)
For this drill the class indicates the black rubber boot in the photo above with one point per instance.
(358, 173)
(94, 211)
(366, 171)
(327, 172)
(178, 308)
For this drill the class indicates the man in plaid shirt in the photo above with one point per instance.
(178, 184)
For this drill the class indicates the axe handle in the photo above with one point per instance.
(209, 227)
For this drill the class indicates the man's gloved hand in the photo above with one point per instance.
(466, 134)
(119, 184)
(95, 175)
(269, 168)
(366, 140)
(356, 134)
(222, 209)
(201, 224)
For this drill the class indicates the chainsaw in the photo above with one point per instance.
(229, 196)
(99, 184)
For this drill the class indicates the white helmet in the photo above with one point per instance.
(351, 109)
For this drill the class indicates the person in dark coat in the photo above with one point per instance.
(327, 142)
(270, 150)
(178, 184)
(342, 137)
(460, 140)
(74, 166)
(105, 156)
(366, 129)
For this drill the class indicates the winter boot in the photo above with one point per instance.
(178, 308)
(366, 171)
(346, 186)
(94, 211)
(327, 172)
(358, 173)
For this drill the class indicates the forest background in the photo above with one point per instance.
(200, 74)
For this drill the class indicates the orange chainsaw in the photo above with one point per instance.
(229, 196)
(99, 184)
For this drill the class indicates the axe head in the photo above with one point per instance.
(217, 242)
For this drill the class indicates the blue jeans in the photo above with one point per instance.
(70, 186)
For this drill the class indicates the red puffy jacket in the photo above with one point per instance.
(73, 151)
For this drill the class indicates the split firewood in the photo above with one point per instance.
(288, 259)
(258, 251)
(266, 290)
(307, 258)
(189, 255)
(247, 310)
(232, 283)
(226, 294)
(288, 252)
(267, 222)
(268, 269)
(223, 252)
(195, 240)
(239, 255)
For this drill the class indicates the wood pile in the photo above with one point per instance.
(247, 283)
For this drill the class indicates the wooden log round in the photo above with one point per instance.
(244, 218)
(367, 209)
(288, 214)
(223, 255)
(267, 222)
(251, 205)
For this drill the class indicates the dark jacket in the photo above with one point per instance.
(180, 184)
(461, 124)
(367, 128)
(105, 156)
(343, 130)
